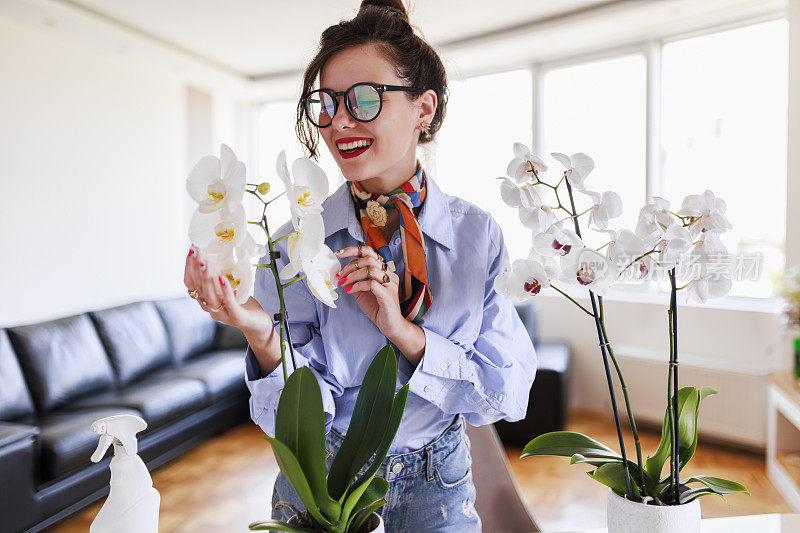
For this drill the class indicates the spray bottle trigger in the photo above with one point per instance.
(105, 442)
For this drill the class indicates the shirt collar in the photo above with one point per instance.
(434, 217)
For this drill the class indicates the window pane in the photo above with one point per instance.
(599, 108)
(724, 129)
(485, 116)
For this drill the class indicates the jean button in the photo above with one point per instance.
(397, 468)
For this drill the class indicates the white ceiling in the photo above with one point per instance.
(256, 49)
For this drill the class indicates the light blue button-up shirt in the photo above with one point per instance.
(479, 359)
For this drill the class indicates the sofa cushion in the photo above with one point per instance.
(159, 397)
(135, 339)
(229, 338)
(190, 329)
(15, 400)
(62, 359)
(66, 440)
(221, 372)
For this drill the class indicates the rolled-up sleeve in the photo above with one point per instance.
(492, 378)
(309, 350)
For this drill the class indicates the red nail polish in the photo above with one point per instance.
(347, 289)
(221, 280)
(341, 281)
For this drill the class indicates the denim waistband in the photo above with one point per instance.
(406, 464)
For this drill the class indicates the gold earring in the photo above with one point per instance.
(424, 126)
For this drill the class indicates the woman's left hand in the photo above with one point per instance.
(378, 301)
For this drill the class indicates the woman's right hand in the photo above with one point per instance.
(216, 291)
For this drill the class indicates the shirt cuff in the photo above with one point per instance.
(441, 359)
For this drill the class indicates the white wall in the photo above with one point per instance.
(93, 155)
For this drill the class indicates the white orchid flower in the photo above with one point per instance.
(320, 274)
(677, 240)
(519, 195)
(654, 218)
(604, 207)
(627, 247)
(709, 248)
(556, 241)
(590, 269)
(519, 169)
(537, 218)
(217, 182)
(708, 212)
(523, 280)
(304, 244)
(218, 232)
(238, 274)
(309, 189)
(707, 286)
(578, 167)
(250, 248)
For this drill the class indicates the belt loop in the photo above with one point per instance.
(429, 461)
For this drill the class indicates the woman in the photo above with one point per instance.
(418, 272)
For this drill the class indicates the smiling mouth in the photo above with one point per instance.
(353, 149)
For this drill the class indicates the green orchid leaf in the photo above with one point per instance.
(277, 525)
(396, 415)
(689, 399)
(300, 425)
(638, 476)
(691, 495)
(363, 514)
(374, 494)
(372, 410)
(613, 475)
(567, 444)
(294, 474)
(714, 485)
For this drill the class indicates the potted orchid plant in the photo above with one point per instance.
(640, 497)
(338, 501)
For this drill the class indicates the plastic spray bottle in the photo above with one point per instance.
(132, 503)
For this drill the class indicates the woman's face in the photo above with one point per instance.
(391, 158)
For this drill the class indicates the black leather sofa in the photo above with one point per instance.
(167, 361)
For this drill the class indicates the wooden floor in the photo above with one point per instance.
(226, 483)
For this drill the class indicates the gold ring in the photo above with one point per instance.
(385, 278)
(360, 254)
(385, 266)
(218, 309)
(369, 276)
(356, 262)
(193, 293)
(203, 302)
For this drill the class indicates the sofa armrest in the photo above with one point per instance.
(18, 451)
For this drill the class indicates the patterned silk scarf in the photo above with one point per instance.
(416, 297)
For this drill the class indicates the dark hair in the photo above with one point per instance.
(385, 23)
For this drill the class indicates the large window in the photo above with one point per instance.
(724, 129)
(485, 116)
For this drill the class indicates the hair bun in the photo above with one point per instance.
(395, 7)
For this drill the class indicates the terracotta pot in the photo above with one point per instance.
(374, 518)
(625, 516)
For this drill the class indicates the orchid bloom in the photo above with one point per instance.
(217, 182)
(309, 190)
(519, 169)
(677, 240)
(706, 286)
(320, 274)
(590, 269)
(523, 280)
(604, 207)
(238, 274)
(303, 245)
(556, 241)
(250, 248)
(218, 232)
(707, 212)
(519, 195)
(537, 218)
(654, 218)
(627, 247)
(578, 167)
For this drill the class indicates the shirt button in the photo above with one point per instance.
(397, 468)
(428, 388)
(396, 241)
(443, 366)
(490, 411)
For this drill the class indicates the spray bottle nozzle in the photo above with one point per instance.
(121, 429)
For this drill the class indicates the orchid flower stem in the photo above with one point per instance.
(283, 237)
(604, 351)
(269, 202)
(283, 316)
(294, 280)
(637, 259)
(570, 298)
(625, 394)
(673, 333)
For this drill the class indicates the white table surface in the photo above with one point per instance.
(760, 523)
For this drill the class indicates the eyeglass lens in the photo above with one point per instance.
(364, 101)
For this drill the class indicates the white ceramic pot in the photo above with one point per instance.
(378, 528)
(625, 516)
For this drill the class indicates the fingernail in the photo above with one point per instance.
(203, 267)
(192, 250)
(347, 289)
(221, 280)
(341, 281)
(338, 251)
(338, 273)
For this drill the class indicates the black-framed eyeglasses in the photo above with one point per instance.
(363, 101)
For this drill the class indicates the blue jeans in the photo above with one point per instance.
(430, 489)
